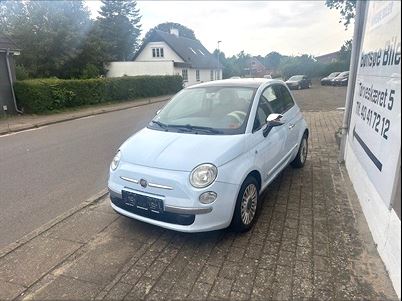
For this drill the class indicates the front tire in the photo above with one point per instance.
(247, 205)
(301, 156)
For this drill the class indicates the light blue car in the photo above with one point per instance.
(204, 159)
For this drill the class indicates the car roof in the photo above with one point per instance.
(241, 82)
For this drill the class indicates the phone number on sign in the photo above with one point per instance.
(373, 119)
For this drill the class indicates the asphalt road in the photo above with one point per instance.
(45, 172)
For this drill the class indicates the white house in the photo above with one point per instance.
(170, 54)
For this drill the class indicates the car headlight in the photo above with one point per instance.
(203, 175)
(115, 161)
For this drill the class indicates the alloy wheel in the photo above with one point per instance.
(249, 204)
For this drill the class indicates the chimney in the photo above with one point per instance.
(174, 31)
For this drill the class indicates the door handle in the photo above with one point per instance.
(291, 126)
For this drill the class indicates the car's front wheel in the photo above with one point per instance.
(247, 205)
(301, 156)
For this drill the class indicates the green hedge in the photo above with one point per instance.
(43, 95)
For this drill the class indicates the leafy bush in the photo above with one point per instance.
(21, 73)
(43, 95)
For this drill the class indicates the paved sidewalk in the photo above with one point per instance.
(311, 241)
(24, 122)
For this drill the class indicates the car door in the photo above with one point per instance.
(292, 119)
(268, 150)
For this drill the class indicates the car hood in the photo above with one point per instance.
(180, 151)
(292, 81)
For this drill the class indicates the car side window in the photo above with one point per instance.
(286, 99)
(264, 109)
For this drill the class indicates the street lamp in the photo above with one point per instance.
(219, 73)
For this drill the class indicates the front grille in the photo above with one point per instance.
(167, 217)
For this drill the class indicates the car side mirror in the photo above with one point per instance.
(273, 120)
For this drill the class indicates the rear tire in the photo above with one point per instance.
(301, 156)
(247, 205)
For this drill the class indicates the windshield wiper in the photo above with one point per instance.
(162, 125)
(196, 128)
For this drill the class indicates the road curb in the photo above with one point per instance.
(138, 103)
(28, 237)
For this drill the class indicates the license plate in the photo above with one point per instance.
(142, 202)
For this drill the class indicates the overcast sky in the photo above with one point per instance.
(257, 27)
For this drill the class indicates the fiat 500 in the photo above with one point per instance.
(204, 159)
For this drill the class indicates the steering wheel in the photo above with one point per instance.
(238, 117)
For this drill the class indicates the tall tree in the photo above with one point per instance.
(50, 33)
(120, 28)
(272, 60)
(183, 30)
(347, 9)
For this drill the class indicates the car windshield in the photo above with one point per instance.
(333, 74)
(206, 110)
(343, 74)
(296, 77)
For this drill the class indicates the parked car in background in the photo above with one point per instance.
(327, 80)
(298, 82)
(341, 80)
(204, 159)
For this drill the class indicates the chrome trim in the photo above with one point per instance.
(149, 184)
(186, 210)
(129, 180)
(160, 186)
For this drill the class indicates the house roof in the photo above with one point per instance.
(190, 51)
(7, 43)
(328, 55)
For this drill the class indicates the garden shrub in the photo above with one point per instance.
(44, 95)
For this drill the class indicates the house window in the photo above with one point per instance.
(184, 74)
(197, 75)
(157, 52)
(212, 75)
(217, 75)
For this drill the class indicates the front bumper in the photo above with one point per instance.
(182, 209)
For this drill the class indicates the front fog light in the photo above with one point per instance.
(208, 197)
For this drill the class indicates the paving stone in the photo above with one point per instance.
(31, 261)
(65, 288)
(244, 283)
(82, 226)
(200, 291)
(221, 289)
(107, 254)
(141, 289)
(133, 275)
(156, 269)
(268, 261)
(119, 291)
(264, 278)
(229, 270)
(128, 228)
(9, 291)
(286, 258)
(303, 253)
(321, 263)
(302, 288)
(209, 274)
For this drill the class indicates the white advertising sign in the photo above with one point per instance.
(375, 129)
